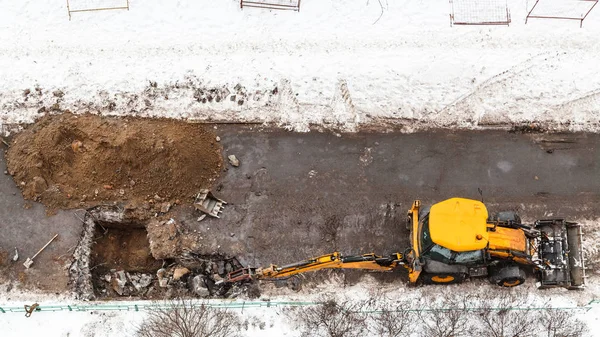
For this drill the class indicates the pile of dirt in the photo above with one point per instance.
(69, 161)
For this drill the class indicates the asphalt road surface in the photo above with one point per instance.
(297, 195)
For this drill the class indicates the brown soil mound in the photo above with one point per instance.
(68, 161)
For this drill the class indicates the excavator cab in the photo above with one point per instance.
(457, 239)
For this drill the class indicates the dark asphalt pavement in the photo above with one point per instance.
(24, 225)
(297, 195)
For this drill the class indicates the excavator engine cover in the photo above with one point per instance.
(459, 224)
(561, 254)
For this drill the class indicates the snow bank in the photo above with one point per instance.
(269, 321)
(330, 64)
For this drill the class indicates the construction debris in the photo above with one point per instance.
(29, 309)
(76, 145)
(233, 160)
(29, 261)
(163, 279)
(180, 272)
(199, 286)
(165, 207)
(207, 203)
(16, 257)
(118, 282)
(140, 282)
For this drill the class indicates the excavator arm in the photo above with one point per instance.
(330, 261)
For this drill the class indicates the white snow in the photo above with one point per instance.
(124, 323)
(407, 67)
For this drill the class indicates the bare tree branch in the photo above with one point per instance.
(561, 323)
(331, 318)
(393, 319)
(506, 314)
(188, 318)
(447, 316)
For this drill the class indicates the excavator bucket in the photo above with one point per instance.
(560, 253)
(240, 275)
(207, 203)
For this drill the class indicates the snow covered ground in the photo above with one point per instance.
(268, 321)
(333, 63)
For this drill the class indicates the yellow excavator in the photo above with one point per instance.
(457, 239)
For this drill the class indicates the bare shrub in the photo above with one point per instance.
(506, 314)
(187, 318)
(331, 318)
(446, 316)
(393, 319)
(561, 323)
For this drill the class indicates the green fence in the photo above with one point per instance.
(144, 306)
(141, 306)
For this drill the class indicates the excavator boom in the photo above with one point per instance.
(330, 261)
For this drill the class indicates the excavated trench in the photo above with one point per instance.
(119, 256)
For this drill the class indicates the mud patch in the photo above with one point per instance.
(68, 161)
(3, 257)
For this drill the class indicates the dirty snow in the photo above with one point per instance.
(335, 63)
(265, 321)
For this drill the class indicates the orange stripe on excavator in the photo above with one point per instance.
(503, 238)
(330, 261)
(413, 273)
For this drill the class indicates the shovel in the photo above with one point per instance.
(29, 261)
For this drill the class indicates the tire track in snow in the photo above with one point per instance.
(588, 101)
(465, 101)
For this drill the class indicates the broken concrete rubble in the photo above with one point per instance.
(180, 272)
(39, 185)
(169, 241)
(217, 278)
(228, 268)
(79, 271)
(233, 160)
(141, 281)
(199, 286)
(165, 207)
(163, 279)
(118, 282)
(220, 267)
(163, 239)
